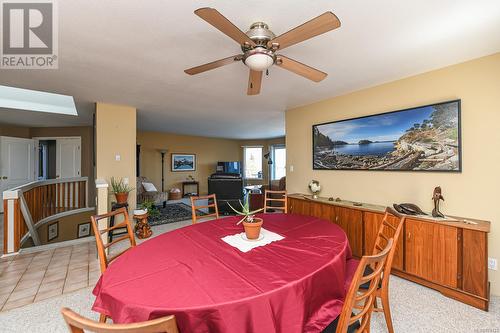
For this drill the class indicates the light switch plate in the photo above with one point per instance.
(118, 157)
(291, 168)
(492, 264)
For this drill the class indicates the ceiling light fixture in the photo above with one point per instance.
(259, 59)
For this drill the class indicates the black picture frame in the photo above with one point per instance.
(52, 231)
(79, 230)
(458, 169)
(175, 158)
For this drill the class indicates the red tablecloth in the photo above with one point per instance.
(293, 285)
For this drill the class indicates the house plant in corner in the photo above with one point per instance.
(251, 223)
(120, 189)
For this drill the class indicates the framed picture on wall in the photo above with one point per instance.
(425, 138)
(83, 230)
(183, 162)
(53, 231)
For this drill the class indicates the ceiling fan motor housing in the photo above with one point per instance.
(259, 32)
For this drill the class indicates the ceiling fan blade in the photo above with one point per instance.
(213, 65)
(317, 26)
(300, 69)
(212, 16)
(254, 82)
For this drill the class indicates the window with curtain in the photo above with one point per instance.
(252, 162)
(279, 162)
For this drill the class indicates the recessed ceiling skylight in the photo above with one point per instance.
(32, 100)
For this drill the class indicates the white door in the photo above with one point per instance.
(17, 163)
(68, 160)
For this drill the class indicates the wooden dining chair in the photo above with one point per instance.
(212, 204)
(275, 196)
(386, 231)
(359, 299)
(102, 249)
(79, 324)
(104, 258)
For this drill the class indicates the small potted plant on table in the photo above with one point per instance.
(251, 223)
(120, 189)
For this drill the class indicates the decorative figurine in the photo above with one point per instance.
(436, 197)
(315, 188)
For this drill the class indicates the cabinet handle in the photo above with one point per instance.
(336, 218)
(409, 235)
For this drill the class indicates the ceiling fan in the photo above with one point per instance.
(260, 46)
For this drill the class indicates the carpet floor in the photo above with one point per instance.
(415, 309)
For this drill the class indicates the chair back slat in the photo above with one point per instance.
(278, 197)
(212, 203)
(363, 299)
(79, 324)
(104, 258)
(386, 231)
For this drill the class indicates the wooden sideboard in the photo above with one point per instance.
(448, 255)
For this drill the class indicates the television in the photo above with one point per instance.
(229, 167)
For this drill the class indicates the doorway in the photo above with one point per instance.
(58, 158)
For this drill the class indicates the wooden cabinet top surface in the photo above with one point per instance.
(455, 221)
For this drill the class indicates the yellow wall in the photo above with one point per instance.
(208, 152)
(116, 135)
(472, 193)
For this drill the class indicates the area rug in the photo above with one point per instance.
(173, 212)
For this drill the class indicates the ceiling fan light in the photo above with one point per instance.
(259, 61)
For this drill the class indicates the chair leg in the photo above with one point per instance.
(102, 318)
(387, 311)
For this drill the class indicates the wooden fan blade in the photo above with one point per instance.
(317, 26)
(254, 82)
(301, 69)
(213, 65)
(212, 16)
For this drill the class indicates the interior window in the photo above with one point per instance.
(252, 162)
(279, 162)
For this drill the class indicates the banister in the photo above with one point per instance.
(38, 183)
(29, 204)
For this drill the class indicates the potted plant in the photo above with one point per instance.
(251, 223)
(150, 207)
(120, 189)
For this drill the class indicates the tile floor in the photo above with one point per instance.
(28, 278)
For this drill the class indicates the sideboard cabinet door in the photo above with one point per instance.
(351, 221)
(432, 252)
(298, 206)
(372, 222)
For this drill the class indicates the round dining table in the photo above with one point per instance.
(296, 284)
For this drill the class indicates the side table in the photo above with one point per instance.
(142, 228)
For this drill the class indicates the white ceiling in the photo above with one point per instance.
(134, 53)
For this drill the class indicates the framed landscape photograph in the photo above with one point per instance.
(183, 162)
(425, 138)
(83, 230)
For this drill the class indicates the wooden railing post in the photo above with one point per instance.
(11, 222)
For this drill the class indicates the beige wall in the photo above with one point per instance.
(208, 152)
(116, 135)
(472, 193)
(266, 144)
(14, 131)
